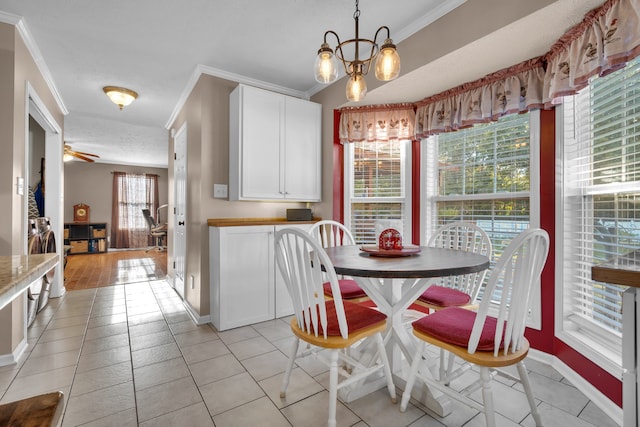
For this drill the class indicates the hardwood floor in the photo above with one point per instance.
(85, 271)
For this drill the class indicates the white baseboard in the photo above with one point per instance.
(199, 320)
(599, 399)
(13, 357)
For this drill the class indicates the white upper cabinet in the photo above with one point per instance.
(274, 146)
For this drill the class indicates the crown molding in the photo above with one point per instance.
(216, 72)
(36, 55)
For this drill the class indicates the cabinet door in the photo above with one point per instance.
(261, 132)
(246, 276)
(302, 152)
(284, 306)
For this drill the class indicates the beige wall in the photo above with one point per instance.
(92, 183)
(17, 68)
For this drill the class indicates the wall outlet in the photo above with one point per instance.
(220, 191)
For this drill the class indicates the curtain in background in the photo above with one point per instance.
(377, 123)
(131, 194)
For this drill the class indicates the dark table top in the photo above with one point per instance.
(622, 270)
(430, 262)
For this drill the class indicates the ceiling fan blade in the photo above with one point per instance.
(86, 154)
(80, 156)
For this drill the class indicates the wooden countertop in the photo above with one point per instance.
(622, 270)
(17, 272)
(235, 222)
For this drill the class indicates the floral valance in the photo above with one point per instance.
(514, 89)
(381, 123)
(606, 39)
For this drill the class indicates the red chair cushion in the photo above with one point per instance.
(444, 297)
(358, 317)
(348, 288)
(453, 325)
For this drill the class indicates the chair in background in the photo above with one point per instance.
(157, 231)
(461, 291)
(330, 234)
(456, 291)
(333, 325)
(488, 342)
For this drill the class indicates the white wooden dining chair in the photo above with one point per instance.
(329, 234)
(333, 325)
(462, 290)
(485, 341)
(456, 291)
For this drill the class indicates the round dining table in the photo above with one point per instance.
(394, 280)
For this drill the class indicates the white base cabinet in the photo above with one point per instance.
(245, 284)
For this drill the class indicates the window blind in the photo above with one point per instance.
(601, 203)
(483, 177)
(377, 186)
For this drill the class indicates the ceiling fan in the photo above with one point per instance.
(69, 154)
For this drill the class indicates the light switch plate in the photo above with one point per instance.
(220, 191)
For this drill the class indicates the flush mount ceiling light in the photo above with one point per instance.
(120, 95)
(387, 60)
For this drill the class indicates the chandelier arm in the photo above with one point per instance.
(334, 34)
(384, 27)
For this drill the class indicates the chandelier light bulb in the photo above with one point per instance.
(357, 56)
(387, 62)
(356, 88)
(326, 65)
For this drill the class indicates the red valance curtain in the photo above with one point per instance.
(512, 90)
(606, 39)
(377, 123)
(603, 42)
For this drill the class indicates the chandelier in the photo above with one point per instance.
(387, 62)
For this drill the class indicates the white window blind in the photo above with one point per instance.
(482, 175)
(601, 200)
(377, 186)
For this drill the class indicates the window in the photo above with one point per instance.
(600, 195)
(377, 187)
(482, 175)
(131, 194)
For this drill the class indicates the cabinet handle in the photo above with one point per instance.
(180, 222)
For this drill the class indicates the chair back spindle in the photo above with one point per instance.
(305, 267)
(512, 283)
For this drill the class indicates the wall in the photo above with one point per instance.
(17, 68)
(92, 184)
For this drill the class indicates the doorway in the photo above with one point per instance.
(49, 146)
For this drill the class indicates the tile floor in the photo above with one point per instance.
(129, 355)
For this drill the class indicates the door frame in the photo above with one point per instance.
(54, 177)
